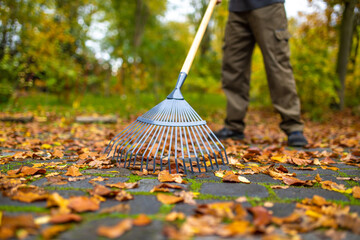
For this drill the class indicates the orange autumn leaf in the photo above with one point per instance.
(73, 171)
(52, 231)
(165, 176)
(356, 192)
(29, 197)
(175, 216)
(236, 228)
(65, 218)
(279, 187)
(83, 204)
(123, 185)
(123, 196)
(292, 181)
(116, 230)
(58, 154)
(262, 216)
(168, 199)
(27, 171)
(141, 220)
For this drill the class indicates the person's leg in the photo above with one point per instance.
(269, 26)
(238, 48)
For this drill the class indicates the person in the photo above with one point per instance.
(263, 22)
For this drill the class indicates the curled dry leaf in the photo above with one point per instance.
(168, 199)
(65, 218)
(165, 176)
(11, 224)
(102, 191)
(29, 197)
(55, 200)
(98, 179)
(235, 228)
(123, 185)
(57, 154)
(73, 171)
(175, 216)
(141, 220)
(83, 204)
(27, 171)
(187, 196)
(292, 181)
(120, 208)
(262, 216)
(123, 196)
(115, 231)
(279, 187)
(333, 186)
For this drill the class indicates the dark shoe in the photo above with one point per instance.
(226, 133)
(297, 139)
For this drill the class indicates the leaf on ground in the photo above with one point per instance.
(123, 196)
(57, 154)
(102, 191)
(119, 208)
(330, 168)
(116, 230)
(73, 171)
(83, 204)
(27, 171)
(168, 199)
(11, 224)
(235, 178)
(262, 216)
(165, 176)
(235, 228)
(333, 186)
(55, 200)
(141, 220)
(173, 216)
(52, 231)
(123, 185)
(279, 187)
(65, 218)
(356, 192)
(98, 179)
(29, 197)
(292, 181)
(187, 196)
(299, 161)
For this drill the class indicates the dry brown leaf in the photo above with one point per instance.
(333, 186)
(55, 200)
(165, 176)
(291, 181)
(29, 197)
(356, 192)
(279, 187)
(73, 171)
(102, 191)
(168, 199)
(299, 161)
(52, 231)
(27, 171)
(57, 154)
(187, 196)
(115, 231)
(141, 220)
(65, 218)
(83, 204)
(123, 185)
(123, 196)
(330, 168)
(175, 216)
(98, 179)
(262, 216)
(235, 228)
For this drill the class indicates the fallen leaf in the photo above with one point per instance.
(115, 231)
(168, 199)
(52, 231)
(279, 187)
(102, 191)
(333, 186)
(235, 178)
(65, 218)
(330, 168)
(173, 216)
(356, 192)
(73, 171)
(291, 181)
(235, 228)
(262, 216)
(58, 154)
(123, 196)
(83, 204)
(165, 176)
(55, 200)
(141, 220)
(120, 208)
(98, 179)
(123, 185)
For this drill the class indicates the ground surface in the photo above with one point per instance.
(48, 163)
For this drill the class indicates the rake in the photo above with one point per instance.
(171, 134)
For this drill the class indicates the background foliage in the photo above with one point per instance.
(45, 58)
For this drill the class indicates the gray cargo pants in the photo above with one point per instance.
(267, 27)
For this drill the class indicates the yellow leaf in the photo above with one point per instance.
(279, 158)
(46, 146)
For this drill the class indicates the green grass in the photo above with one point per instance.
(123, 106)
(9, 208)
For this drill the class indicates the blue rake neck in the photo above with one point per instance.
(176, 93)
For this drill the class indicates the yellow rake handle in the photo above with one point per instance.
(198, 37)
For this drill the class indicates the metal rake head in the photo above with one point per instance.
(170, 135)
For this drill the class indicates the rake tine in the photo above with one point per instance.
(222, 146)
